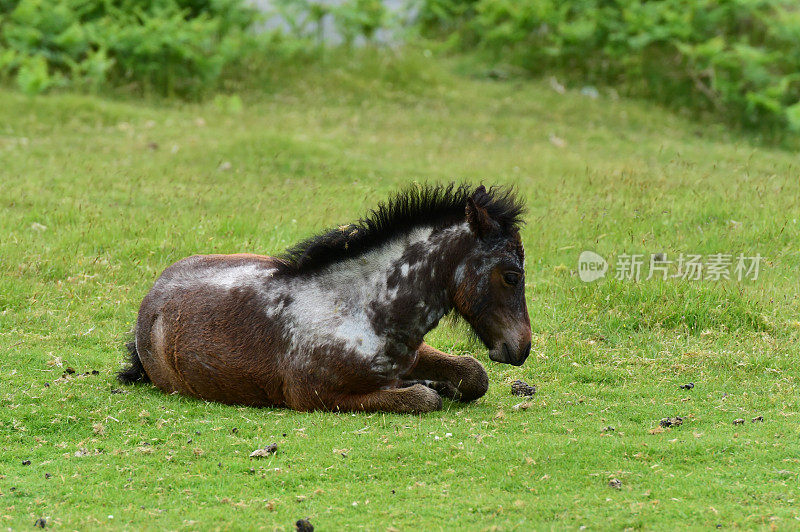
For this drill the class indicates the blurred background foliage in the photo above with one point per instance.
(168, 46)
(738, 59)
(734, 60)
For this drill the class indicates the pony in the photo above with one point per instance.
(337, 322)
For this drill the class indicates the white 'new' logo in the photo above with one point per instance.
(591, 266)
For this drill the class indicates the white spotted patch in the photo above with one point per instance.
(332, 305)
(220, 276)
(461, 270)
(238, 276)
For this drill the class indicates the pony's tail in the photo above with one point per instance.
(135, 372)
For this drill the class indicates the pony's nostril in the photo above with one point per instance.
(506, 352)
(526, 351)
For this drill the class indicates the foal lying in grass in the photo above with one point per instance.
(338, 321)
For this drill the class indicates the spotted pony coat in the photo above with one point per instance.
(338, 321)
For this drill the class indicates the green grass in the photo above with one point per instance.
(124, 188)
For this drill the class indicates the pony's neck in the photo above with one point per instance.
(417, 289)
(382, 302)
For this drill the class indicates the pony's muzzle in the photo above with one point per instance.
(506, 354)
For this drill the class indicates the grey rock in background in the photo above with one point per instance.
(401, 13)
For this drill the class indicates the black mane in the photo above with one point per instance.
(416, 206)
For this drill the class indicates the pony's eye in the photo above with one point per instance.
(511, 278)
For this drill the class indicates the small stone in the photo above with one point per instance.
(557, 141)
(522, 388)
(521, 406)
(117, 391)
(497, 73)
(688, 386)
(304, 525)
(225, 166)
(615, 483)
(739, 421)
(266, 451)
(556, 86)
(590, 92)
(757, 419)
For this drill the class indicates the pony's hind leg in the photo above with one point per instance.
(414, 399)
(446, 373)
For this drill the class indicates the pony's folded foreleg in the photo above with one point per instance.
(444, 372)
(411, 400)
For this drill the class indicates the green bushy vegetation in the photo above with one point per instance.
(170, 46)
(737, 59)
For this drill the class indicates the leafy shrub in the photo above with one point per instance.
(736, 58)
(171, 46)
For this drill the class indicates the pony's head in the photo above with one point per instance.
(490, 282)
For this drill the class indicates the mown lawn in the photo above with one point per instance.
(98, 195)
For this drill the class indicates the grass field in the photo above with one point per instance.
(99, 195)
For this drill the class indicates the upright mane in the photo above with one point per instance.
(415, 206)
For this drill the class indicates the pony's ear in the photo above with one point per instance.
(477, 217)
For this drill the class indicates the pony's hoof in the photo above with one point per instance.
(445, 389)
(426, 399)
(474, 380)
